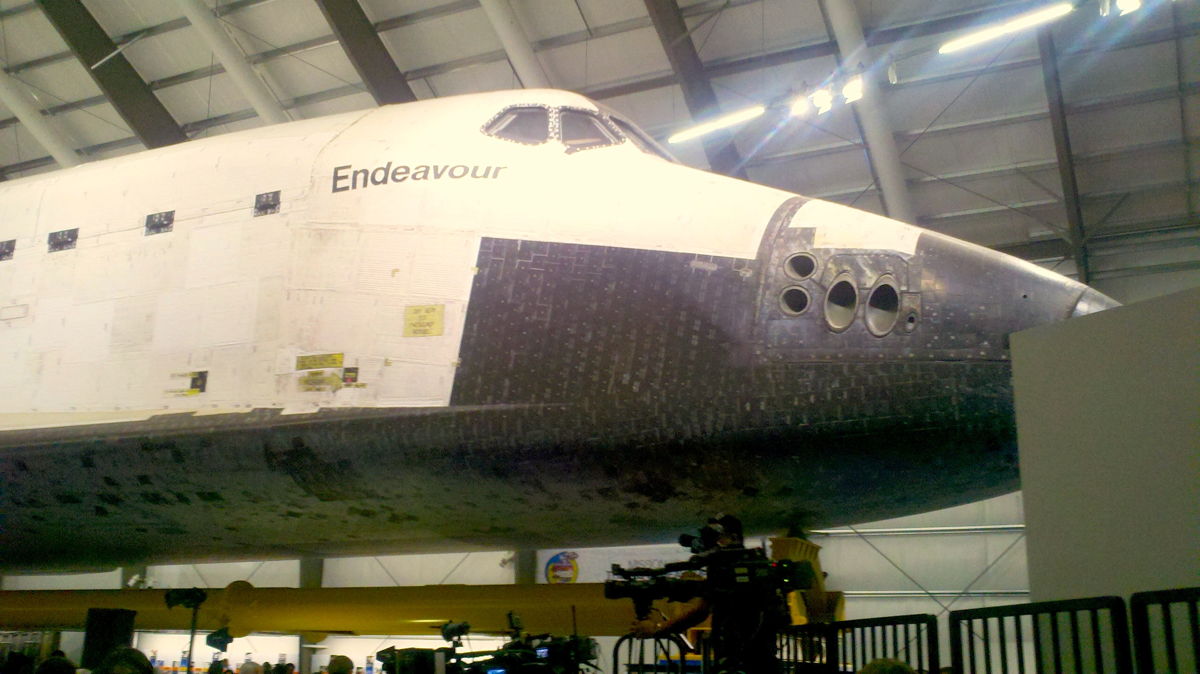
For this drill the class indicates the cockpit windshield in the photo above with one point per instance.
(523, 124)
(577, 128)
(583, 130)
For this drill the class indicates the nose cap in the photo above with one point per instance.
(1092, 301)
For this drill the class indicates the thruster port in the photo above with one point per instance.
(840, 304)
(793, 300)
(801, 266)
(883, 307)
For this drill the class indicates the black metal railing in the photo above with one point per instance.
(848, 645)
(1166, 639)
(634, 655)
(1080, 636)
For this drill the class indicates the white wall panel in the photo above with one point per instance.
(104, 580)
(282, 573)
(475, 568)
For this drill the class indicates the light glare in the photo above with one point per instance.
(853, 89)
(801, 106)
(718, 123)
(822, 99)
(1127, 6)
(1019, 23)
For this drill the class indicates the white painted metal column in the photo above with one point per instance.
(877, 131)
(16, 98)
(516, 45)
(234, 61)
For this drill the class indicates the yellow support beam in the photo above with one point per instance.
(317, 612)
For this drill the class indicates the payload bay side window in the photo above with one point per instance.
(584, 130)
(529, 124)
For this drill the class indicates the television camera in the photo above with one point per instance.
(714, 571)
(523, 654)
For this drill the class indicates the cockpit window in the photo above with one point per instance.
(524, 124)
(641, 140)
(582, 130)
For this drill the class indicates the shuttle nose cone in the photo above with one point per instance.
(1092, 301)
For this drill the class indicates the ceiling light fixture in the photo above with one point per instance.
(822, 100)
(852, 90)
(1127, 6)
(801, 106)
(723, 122)
(1011, 26)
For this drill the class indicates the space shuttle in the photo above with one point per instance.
(493, 321)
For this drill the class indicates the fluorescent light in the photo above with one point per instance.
(718, 123)
(1127, 6)
(822, 99)
(801, 106)
(852, 90)
(1019, 23)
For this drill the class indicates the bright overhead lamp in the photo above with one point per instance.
(822, 100)
(852, 90)
(1127, 6)
(719, 123)
(801, 106)
(1011, 26)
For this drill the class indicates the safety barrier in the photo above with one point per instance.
(848, 645)
(1078, 635)
(1158, 645)
(635, 655)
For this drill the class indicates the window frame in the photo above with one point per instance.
(597, 116)
(551, 124)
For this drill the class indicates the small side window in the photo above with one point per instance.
(63, 240)
(266, 203)
(7, 248)
(160, 223)
(529, 124)
(581, 131)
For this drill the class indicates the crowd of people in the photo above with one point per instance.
(132, 661)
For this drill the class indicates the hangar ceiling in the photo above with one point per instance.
(1074, 146)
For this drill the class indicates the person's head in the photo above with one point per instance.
(886, 666)
(56, 665)
(124, 660)
(340, 664)
(18, 663)
(57, 653)
(729, 531)
(250, 667)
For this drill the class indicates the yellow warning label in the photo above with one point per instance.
(424, 320)
(320, 380)
(318, 361)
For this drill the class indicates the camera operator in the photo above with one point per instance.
(745, 618)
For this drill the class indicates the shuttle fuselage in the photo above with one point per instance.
(498, 320)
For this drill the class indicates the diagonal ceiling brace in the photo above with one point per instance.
(697, 88)
(1076, 236)
(366, 51)
(122, 86)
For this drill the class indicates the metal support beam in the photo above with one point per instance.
(872, 119)
(366, 51)
(1076, 236)
(121, 84)
(525, 570)
(16, 98)
(516, 45)
(312, 576)
(230, 55)
(698, 93)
